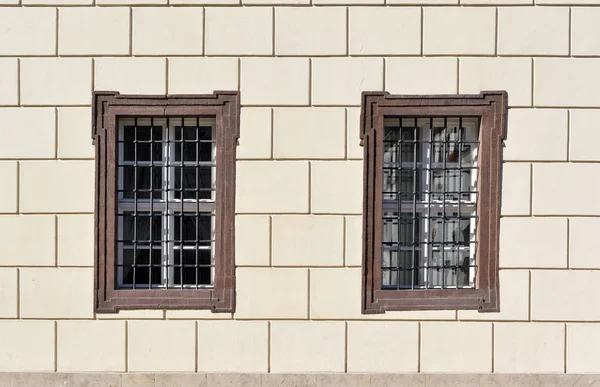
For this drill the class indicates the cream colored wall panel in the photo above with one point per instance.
(526, 348)
(583, 348)
(585, 34)
(310, 31)
(9, 296)
(353, 148)
(56, 292)
(239, 31)
(272, 186)
(421, 75)
(583, 251)
(525, 129)
(567, 82)
(307, 346)
(27, 240)
(8, 195)
(584, 135)
(57, 2)
(374, 347)
(132, 2)
(196, 314)
(275, 2)
(202, 75)
(498, 2)
(346, 2)
(74, 138)
(309, 133)
(28, 31)
(165, 31)
(56, 81)
(336, 187)
(92, 30)
(456, 347)
(161, 346)
(353, 240)
(271, 293)
(255, 134)
(510, 74)
(310, 240)
(143, 314)
(562, 295)
(27, 133)
(208, 2)
(57, 186)
(75, 240)
(533, 31)
(340, 81)
(424, 2)
(459, 31)
(252, 240)
(384, 31)
(533, 242)
(275, 81)
(566, 189)
(91, 346)
(9, 81)
(516, 189)
(27, 346)
(131, 75)
(233, 346)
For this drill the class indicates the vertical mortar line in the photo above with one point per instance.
(197, 346)
(273, 33)
(346, 347)
(55, 346)
(532, 82)
(348, 32)
(570, 31)
(126, 346)
(130, 31)
(56, 34)
(422, 19)
(496, 34)
(419, 345)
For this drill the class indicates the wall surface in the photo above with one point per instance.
(300, 67)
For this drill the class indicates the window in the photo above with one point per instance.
(165, 169)
(431, 210)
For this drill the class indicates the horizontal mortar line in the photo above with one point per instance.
(43, 267)
(46, 213)
(298, 159)
(298, 213)
(46, 159)
(552, 161)
(209, 5)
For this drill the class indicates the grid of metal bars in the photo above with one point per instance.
(166, 202)
(430, 194)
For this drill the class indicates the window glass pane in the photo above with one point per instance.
(146, 181)
(195, 269)
(139, 141)
(191, 140)
(193, 228)
(185, 182)
(142, 227)
(143, 264)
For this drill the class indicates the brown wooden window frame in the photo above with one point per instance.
(492, 108)
(107, 107)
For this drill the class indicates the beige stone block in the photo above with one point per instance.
(325, 36)
(57, 292)
(561, 295)
(152, 380)
(239, 31)
(133, 2)
(566, 189)
(353, 148)
(367, 338)
(230, 379)
(526, 348)
(583, 253)
(456, 347)
(585, 33)
(340, 81)
(74, 140)
(75, 240)
(525, 129)
(272, 186)
(516, 189)
(307, 346)
(583, 348)
(533, 30)
(498, 2)
(28, 31)
(161, 346)
(260, 293)
(459, 31)
(533, 242)
(300, 240)
(252, 240)
(198, 314)
(510, 74)
(275, 2)
(57, 2)
(384, 31)
(255, 134)
(291, 380)
(275, 81)
(514, 299)
(202, 75)
(354, 231)
(57, 186)
(147, 314)
(27, 240)
(9, 297)
(309, 133)
(27, 346)
(27, 133)
(207, 2)
(131, 75)
(421, 75)
(91, 346)
(8, 195)
(165, 31)
(93, 30)
(56, 81)
(567, 82)
(233, 346)
(584, 134)
(336, 187)
(9, 81)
